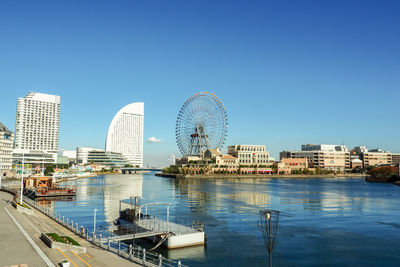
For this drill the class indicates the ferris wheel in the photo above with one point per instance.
(202, 124)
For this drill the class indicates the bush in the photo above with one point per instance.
(171, 169)
(49, 170)
(296, 171)
(62, 239)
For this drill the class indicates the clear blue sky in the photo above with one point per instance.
(288, 72)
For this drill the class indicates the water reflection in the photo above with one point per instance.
(331, 222)
(114, 190)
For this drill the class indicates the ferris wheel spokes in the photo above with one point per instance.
(201, 124)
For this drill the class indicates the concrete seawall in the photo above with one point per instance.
(255, 176)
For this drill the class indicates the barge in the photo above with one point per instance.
(36, 187)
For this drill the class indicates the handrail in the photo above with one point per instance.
(132, 253)
(155, 204)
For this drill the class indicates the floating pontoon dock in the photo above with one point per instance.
(134, 224)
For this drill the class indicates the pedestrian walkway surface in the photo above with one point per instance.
(15, 248)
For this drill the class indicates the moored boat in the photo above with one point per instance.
(45, 187)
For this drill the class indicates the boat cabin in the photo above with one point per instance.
(38, 182)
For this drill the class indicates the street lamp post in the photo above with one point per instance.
(1, 169)
(22, 178)
(269, 223)
(94, 221)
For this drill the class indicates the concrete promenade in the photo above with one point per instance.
(20, 241)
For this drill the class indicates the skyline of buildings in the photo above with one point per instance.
(250, 154)
(37, 128)
(36, 141)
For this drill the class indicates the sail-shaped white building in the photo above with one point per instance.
(125, 134)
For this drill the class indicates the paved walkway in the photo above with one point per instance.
(15, 247)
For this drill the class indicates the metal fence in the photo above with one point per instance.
(148, 225)
(10, 183)
(133, 253)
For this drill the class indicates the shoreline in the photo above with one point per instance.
(258, 176)
(372, 179)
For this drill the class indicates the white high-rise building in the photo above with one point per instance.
(37, 128)
(6, 148)
(125, 134)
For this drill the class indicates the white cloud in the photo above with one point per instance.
(153, 140)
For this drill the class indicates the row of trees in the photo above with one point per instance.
(242, 169)
(385, 173)
(206, 169)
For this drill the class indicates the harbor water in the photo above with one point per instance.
(323, 221)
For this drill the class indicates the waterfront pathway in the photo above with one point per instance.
(20, 241)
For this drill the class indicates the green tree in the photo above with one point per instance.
(49, 170)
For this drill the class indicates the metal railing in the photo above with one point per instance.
(10, 183)
(133, 253)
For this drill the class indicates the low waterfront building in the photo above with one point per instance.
(288, 165)
(33, 158)
(356, 163)
(360, 149)
(371, 157)
(82, 154)
(376, 158)
(227, 161)
(212, 153)
(6, 149)
(395, 158)
(62, 160)
(332, 157)
(249, 155)
(206, 158)
(94, 156)
(189, 160)
(69, 154)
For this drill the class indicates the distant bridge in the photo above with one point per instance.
(128, 170)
